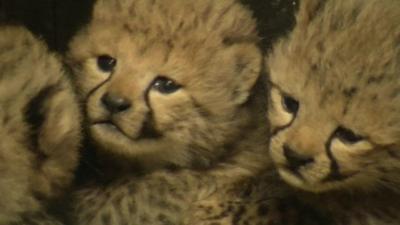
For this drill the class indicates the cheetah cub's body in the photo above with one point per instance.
(335, 118)
(168, 84)
(335, 108)
(39, 128)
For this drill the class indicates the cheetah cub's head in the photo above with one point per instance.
(166, 81)
(335, 98)
(39, 125)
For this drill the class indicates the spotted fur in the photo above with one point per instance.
(39, 128)
(208, 48)
(203, 130)
(334, 108)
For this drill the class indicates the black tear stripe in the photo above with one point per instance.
(200, 109)
(91, 92)
(35, 116)
(334, 174)
(148, 130)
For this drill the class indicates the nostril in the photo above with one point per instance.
(115, 103)
(295, 160)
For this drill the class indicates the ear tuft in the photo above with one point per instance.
(248, 68)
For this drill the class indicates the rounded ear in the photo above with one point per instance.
(248, 64)
(308, 10)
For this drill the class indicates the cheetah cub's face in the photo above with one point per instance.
(165, 81)
(335, 103)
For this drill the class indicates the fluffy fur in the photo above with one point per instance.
(206, 48)
(334, 113)
(335, 108)
(207, 120)
(39, 128)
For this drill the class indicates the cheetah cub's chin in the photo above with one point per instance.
(39, 128)
(165, 82)
(335, 103)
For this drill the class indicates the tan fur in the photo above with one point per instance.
(210, 126)
(207, 47)
(342, 64)
(39, 141)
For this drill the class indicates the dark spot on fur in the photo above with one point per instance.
(350, 92)
(263, 209)
(35, 116)
(238, 215)
(375, 80)
(164, 220)
(395, 93)
(383, 169)
(144, 219)
(320, 46)
(131, 188)
(242, 39)
(106, 219)
(345, 109)
(241, 64)
(6, 119)
(132, 207)
(393, 154)
(117, 199)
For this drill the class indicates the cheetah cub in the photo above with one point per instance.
(334, 114)
(165, 82)
(39, 128)
(167, 85)
(335, 108)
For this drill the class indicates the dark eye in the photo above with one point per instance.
(347, 135)
(106, 63)
(165, 85)
(290, 104)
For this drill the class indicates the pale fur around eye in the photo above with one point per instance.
(280, 114)
(359, 147)
(347, 135)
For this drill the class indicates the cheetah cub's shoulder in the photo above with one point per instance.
(39, 128)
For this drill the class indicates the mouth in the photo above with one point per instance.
(110, 128)
(292, 177)
(296, 179)
(146, 132)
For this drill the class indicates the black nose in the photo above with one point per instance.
(295, 160)
(114, 103)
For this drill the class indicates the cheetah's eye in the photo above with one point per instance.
(106, 63)
(347, 135)
(165, 85)
(290, 104)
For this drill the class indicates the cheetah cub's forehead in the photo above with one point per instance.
(336, 99)
(39, 126)
(166, 80)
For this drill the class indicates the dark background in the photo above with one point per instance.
(57, 20)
